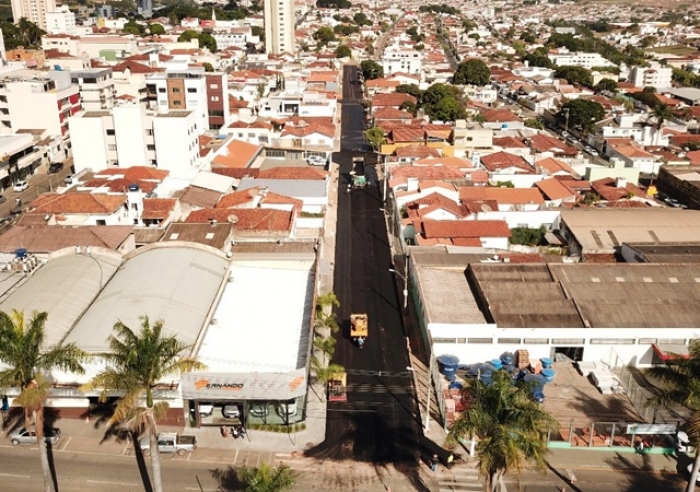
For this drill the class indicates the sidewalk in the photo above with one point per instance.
(612, 459)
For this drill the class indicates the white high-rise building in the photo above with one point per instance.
(33, 10)
(279, 26)
(655, 75)
(61, 21)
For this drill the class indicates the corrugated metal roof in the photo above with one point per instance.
(295, 188)
(64, 287)
(176, 284)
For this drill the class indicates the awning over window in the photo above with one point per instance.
(666, 350)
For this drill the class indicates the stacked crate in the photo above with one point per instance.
(522, 359)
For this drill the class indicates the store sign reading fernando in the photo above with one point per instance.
(204, 383)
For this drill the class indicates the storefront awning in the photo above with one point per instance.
(666, 350)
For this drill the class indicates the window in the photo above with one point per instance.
(192, 90)
(111, 147)
(213, 86)
(176, 89)
(612, 341)
(177, 103)
(444, 340)
(515, 341)
(480, 340)
(110, 132)
(149, 132)
(101, 222)
(537, 341)
(214, 98)
(150, 147)
(568, 341)
(161, 90)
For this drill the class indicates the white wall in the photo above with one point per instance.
(177, 147)
(89, 145)
(532, 220)
(518, 180)
(638, 353)
(130, 135)
(32, 110)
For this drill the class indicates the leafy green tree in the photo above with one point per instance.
(410, 107)
(375, 136)
(207, 41)
(448, 109)
(26, 361)
(608, 85)
(371, 70)
(575, 75)
(132, 27)
(343, 51)
(361, 19)
(680, 387)
(411, 89)
(648, 98)
(208, 67)
(437, 92)
(472, 72)
(136, 363)
(583, 113)
(258, 31)
(156, 29)
(265, 478)
(324, 36)
(188, 35)
(534, 123)
(538, 60)
(510, 427)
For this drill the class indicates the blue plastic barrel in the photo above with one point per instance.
(447, 364)
(496, 363)
(546, 362)
(21, 252)
(456, 385)
(507, 358)
(548, 374)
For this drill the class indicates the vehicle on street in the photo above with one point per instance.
(564, 134)
(357, 174)
(315, 160)
(5, 220)
(55, 167)
(590, 150)
(20, 186)
(28, 436)
(337, 387)
(571, 139)
(358, 329)
(231, 411)
(287, 408)
(170, 442)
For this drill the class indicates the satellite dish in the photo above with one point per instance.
(232, 219)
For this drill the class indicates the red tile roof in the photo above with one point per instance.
(77, 203)
(246, 219)
(157, 208)
(390, 113)
(500, 116)
(607, 188)
(418, 151)
(509, 143)
(238, 154)
(504, 160)
(394, 99)
(295, 172)
(512, 196)
(545, 143)
(452, 229)
(135, 67)
(439, 173)
(407, 135)
(553, 189)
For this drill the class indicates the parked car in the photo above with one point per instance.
(231, 411)
(24, 436)
(55, 167)
(259, 410)
(20, 186)
(206, 409)
(5, 220)
(315, 160)
(287, 408)
(170, 442)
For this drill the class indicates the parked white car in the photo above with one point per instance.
(20, 186)
(315, 160)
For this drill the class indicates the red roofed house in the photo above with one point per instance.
(491, 234)
(393, 100)
(81, 209)
(556, 192)
(508, 199)
(506, 163)
(250, 222)
(235, 154)
(497, 119)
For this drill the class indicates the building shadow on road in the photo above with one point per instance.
(369, 436)
(642, 476)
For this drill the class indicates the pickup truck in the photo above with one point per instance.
(170, 442)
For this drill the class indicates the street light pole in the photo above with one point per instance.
(405, 284)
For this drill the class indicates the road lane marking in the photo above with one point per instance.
(12, 475)
(67, 443)
(113, 483)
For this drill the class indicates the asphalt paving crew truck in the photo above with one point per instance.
(358, 329)
(357, 175)
(337, 383)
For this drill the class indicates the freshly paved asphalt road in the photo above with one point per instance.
(379, 421)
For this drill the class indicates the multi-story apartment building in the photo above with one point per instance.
(61, 21)
(19, 156)
(405, 60)
(38, 100)
(144, 7)
(218, 107)
(96, 87)
(279, 26)
(652, 76)
(33, 10)
(180, 91)
(131, 135)
(579, 59)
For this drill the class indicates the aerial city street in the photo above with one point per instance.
(337, 245)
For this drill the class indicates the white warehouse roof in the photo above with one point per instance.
(178, 284)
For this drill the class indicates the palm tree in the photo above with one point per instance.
(680, 378)
(662, 113)
(136, 364)
(266, 478)
(510, 426)
(22, 349)
(325, 345)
